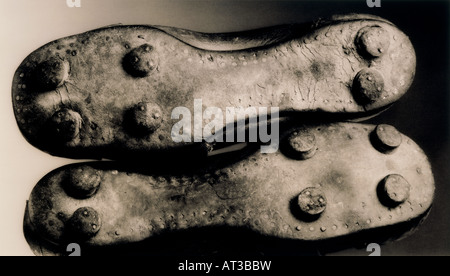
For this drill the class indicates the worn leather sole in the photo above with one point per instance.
(114, 89)
(328, 181)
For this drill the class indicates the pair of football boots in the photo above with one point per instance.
(111, 94)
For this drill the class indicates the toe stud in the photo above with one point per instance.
(373, 41)
(393, 190)
(84, 223)
(83, 182)
(386, 138)
(65, 125)
(145, 118)
(140, 62)
(302, 145)
(312, 202)
(51, 74)
(368, 86)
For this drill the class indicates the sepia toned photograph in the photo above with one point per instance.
(224, 129)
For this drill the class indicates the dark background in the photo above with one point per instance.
(422, 114)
